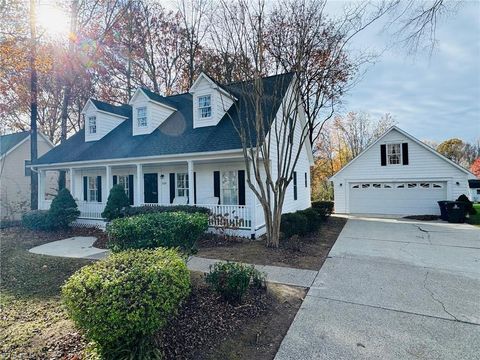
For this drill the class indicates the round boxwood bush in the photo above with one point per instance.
(122, 301)
(314, 219)
(232, 280)
(63, 210)
(117, 203)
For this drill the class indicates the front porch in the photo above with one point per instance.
(216, 184)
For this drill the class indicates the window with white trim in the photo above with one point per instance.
(92, 124)
(123, 181)
(92, 193)
(182, 184)
(394, 155)
(229, 193)
(204, 106)
(142, 117)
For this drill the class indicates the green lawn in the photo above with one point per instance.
(475, 219)
(32, 319)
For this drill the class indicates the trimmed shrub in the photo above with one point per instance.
(36, 220)
(122, 301)
(148, 231)
(140, 210)
(324, 208)
(63, 210)
(117, 203)
(293, 224)
(232, 280)
(314, 219)
(468, 204)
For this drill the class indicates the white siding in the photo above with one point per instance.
(423, 165)
(156, 114)
(220, 103)
(105, 123)
(303, 166)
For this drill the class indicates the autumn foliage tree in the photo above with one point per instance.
(475, 168)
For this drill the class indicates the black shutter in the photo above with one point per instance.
(172, 187)
(216, 185)
(405, 153)
(99, 188)
(383, 155)
(130, 187)
(115, 179)
(85, 188)
(241, 187)
(306, 182)
(295, 185)
(195, 188)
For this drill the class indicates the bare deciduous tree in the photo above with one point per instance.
(272, 141)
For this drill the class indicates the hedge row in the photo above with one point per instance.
(189, 209)
(305, 221)
(148, 231)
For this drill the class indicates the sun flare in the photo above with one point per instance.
(53, 21)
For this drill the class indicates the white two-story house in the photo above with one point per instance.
(180, 149)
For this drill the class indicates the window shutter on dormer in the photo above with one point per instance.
(405, 153)
(383, 155)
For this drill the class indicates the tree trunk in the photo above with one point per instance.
(67, 86)
(33, 106)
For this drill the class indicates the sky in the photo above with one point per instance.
(432, 96)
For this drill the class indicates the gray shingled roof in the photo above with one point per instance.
(7, 142)
(176, 134)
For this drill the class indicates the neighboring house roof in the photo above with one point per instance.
(122, 110)
(407, 135)
(8, 142)
(474, 184)
(176, 134)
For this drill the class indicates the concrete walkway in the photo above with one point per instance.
(82, 247)
(393, 289)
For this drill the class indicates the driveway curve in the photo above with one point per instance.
(393, 289)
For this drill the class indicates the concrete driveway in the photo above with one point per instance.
(393, 289)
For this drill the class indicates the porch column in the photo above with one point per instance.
(191, 187)
(108, 180)
(72, 182)
(138, 188)
(41, 189)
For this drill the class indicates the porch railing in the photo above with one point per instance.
(237, 216)
(91, 210)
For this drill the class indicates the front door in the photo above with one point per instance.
(150, 188)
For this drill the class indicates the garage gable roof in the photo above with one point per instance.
(407, 135)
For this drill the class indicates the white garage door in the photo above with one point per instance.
(404, 198)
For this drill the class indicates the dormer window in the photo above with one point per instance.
(205, 106)
(142, 117)
(92, 124)
(394, 155)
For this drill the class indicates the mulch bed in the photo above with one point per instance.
(206, 320)
(306, 252)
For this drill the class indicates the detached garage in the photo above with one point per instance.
(398, 175)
